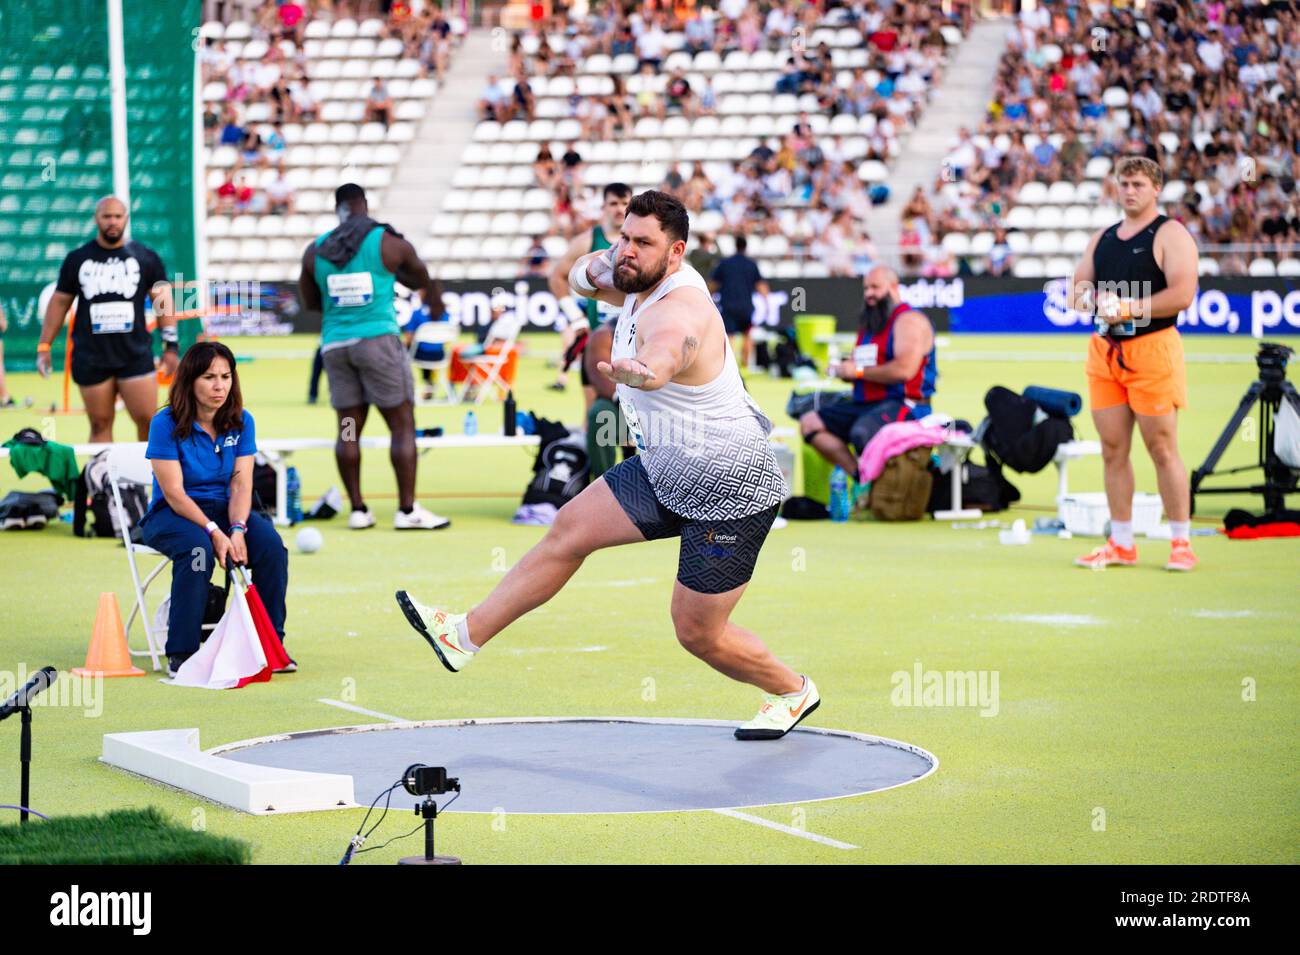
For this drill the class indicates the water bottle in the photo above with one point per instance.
(294, 490)
(471, 424)
(511, 422)
(839, 506)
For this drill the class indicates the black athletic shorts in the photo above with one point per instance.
(737, 322)
(715, 556)
(88, 369)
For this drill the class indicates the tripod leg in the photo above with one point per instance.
(1243, 409)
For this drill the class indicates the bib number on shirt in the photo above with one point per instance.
(350, 289)
(866, 356)
(112, 318)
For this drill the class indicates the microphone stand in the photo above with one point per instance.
(25, 762)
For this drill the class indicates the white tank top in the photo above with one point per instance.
(704, 447)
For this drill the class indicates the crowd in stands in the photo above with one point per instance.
(279, 84)
(802, 184)
(1206, 90)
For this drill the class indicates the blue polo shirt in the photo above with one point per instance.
(207, 464)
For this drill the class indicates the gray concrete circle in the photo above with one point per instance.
(597, 764)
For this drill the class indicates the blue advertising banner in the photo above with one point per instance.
(1255, 307)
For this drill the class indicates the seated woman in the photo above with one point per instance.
(202, 445)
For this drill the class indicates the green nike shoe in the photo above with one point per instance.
(439, 628)
(780, 714)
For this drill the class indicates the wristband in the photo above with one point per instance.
(578, 279)
(237, 526)
(42, 348)
(172, 347)
(168, 333)
(211, 528)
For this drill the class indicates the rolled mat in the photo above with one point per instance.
(1055, 401)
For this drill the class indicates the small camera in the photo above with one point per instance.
(421, 780)
(1272, 360)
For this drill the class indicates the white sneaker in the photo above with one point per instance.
(418, 519)
(360, 520)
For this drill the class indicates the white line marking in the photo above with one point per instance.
(788, 830)
(356, 709)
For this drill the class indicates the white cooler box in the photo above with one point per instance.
(1087, 514)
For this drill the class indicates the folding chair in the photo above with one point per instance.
(437, 333)
(126, 462)
(484, 370)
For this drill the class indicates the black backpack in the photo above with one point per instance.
(560, 471)
(1011, 435)
(982, 486)
(94, 496)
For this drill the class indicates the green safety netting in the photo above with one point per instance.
(56, 144)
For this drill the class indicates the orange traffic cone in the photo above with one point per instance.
(108, 655)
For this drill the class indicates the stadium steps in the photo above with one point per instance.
(960, 100)
(425, 173)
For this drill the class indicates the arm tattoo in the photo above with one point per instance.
(689, 345)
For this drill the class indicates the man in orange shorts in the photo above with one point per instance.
(1135, 277)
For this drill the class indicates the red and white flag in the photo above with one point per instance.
(244, 648)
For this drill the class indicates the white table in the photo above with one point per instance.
(962, 445)
(277, 450)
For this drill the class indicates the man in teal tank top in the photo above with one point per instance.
(348, 275)
(602, 234)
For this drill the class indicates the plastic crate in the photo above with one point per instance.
(1087, 514)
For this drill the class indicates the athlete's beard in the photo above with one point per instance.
(875, 316)
(642, 279)
(109, 238)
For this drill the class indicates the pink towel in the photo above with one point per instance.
(894, 439)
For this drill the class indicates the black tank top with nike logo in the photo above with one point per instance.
(1131, 263)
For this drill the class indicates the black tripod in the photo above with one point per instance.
(1270, 390)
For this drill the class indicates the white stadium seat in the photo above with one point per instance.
(1019, 217)
(1045, 243)
(1048, 217)
(1032, 193)
(1061, 193)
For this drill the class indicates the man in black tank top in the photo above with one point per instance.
(1134, 278)
(110, 278)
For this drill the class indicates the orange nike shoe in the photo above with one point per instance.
(1181, 556)
(1109, 554)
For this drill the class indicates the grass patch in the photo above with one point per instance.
(121, 837)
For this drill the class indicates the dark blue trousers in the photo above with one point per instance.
(193, 561)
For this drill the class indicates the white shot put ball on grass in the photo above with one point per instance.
(309, 540)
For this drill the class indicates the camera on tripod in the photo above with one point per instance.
(1272, 359)
(1270, 392)
(421, 780)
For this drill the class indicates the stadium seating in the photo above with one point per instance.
(1093, 111)
(496, 193)
(342, 58)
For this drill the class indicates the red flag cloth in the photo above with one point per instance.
(1278, 529)
(276, 658)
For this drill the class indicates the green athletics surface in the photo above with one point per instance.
(1141, 716)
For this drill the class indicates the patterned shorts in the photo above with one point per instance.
(716, 555)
